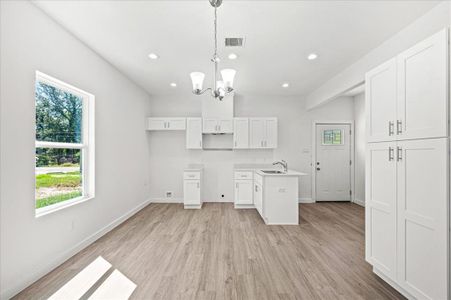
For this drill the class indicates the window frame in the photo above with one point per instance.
(87, 145)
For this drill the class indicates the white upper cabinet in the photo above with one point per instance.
(216, 125)
(407, 97)
(194, 133)
(241, 133)
(423, 207)
(380, 207)
(166, 123)
(263, 133)
(380, 93)
(423, 89)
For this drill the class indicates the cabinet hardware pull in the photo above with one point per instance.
(256, 188)
(236, 185)
(391, 153)
(198, 185)
(398, 127)
(391, 128)
(399, 153)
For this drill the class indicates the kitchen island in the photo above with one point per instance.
(276, 196)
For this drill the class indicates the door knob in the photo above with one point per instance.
(317, 169)
(317, 163)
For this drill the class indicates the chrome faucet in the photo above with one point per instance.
(283, 163)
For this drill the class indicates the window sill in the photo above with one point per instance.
(40, 212)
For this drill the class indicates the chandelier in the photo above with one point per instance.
(221, 87)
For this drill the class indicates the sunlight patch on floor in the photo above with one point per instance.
(116, 287)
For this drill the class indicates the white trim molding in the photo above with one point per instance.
(359, 202)
(306, 200)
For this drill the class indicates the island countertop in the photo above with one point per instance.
(288, 173)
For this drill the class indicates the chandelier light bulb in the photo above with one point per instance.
(228, 75)
(197, 79)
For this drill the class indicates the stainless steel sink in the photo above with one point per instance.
(272, 172)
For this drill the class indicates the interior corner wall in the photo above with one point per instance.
(168, 156)
(433, 21)
(30, 246)
(360, 148)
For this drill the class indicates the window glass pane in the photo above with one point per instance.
(58, 175)
(58, 115)
(333, 137)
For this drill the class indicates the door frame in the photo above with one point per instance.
(313, 162)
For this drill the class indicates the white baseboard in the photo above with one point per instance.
(29, 278)
(359, 202)
(166, 200)
(306, 200)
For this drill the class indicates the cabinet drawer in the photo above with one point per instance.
(243, 175)
(191, 175)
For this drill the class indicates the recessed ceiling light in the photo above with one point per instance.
(312, 56)
(233, 56)
(153, 56)
(173, 84)
(285, 85)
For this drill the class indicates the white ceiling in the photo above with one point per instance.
(279, 36)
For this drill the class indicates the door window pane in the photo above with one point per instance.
(333, 137)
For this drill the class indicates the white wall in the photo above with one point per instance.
(430, 23)
(30, 247)
(168, 155)
(360, 144)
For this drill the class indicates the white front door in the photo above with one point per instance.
(333, 162)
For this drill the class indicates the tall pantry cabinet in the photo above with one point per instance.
(407, 170)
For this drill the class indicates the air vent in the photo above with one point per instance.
(234, 42)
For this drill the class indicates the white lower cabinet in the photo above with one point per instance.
(258, 197)
(243, 192)
(192, 189)
(407, 215)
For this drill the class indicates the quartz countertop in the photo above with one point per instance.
(289, 173)
(194, 167)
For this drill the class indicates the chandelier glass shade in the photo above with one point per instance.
(221, 87)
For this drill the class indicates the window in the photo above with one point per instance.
(64, 169)
(333, 137)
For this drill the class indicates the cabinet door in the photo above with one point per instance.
(380, 207)
(194, 133)
(270, 133)
(156, 124)
(244, 192)
(176, 124)
(258, 198)
(423, 209)
(225, 125)
(191, 192)
(241, 133)
(380, 95)
(210, 125)
(257, 132)
(423, 89)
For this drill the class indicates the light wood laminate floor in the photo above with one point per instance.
(222, 253)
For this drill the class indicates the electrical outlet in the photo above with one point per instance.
(168, 194)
